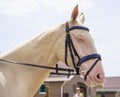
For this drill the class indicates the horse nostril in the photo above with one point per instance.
(98, 76)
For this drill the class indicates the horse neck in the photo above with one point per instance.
(39, 50)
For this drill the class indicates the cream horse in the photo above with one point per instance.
(46, 49)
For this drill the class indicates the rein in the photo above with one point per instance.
(67, 71)
(68, 45)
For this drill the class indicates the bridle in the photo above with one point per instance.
(68, 45)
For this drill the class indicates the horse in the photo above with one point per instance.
(47, 49)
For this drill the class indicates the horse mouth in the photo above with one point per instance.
(92, 84)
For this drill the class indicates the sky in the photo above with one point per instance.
(20, 20)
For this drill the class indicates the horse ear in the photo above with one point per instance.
(74, 13)
(82, 18)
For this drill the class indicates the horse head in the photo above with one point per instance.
(76, 48)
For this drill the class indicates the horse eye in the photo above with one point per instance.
(80, 35)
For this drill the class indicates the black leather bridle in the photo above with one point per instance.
(68, 45)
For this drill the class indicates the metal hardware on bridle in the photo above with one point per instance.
(69, 45)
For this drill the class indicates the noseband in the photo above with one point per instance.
(69, 45)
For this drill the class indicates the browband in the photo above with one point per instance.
(75, 27)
